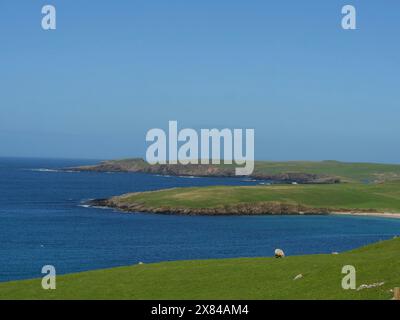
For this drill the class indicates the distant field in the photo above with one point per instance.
(381, 197)
(348, 171)
(245, 278)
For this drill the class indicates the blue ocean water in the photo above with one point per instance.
(43, 222)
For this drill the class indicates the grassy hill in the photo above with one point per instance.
(380, 197)
(245, 278)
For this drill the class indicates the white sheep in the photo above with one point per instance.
(279, 253)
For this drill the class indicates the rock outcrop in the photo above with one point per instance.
(259, 208)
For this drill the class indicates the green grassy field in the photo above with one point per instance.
(347, 171)
(375, 197)
(244, 278)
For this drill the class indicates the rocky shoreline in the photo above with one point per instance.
(203, 170)
(260, 208)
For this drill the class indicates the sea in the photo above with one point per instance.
(44, 221)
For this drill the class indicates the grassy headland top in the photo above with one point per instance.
(264, 199)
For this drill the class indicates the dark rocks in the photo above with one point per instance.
(259, 208)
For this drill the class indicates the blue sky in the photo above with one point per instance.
(115, 69)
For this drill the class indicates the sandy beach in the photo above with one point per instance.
(371, 214)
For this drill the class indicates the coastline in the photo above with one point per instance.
(286, 175)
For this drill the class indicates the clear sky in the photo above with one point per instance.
(115, 69)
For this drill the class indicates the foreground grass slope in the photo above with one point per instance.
(245, 278)
(383, 197)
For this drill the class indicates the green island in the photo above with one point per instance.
(377, 266)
